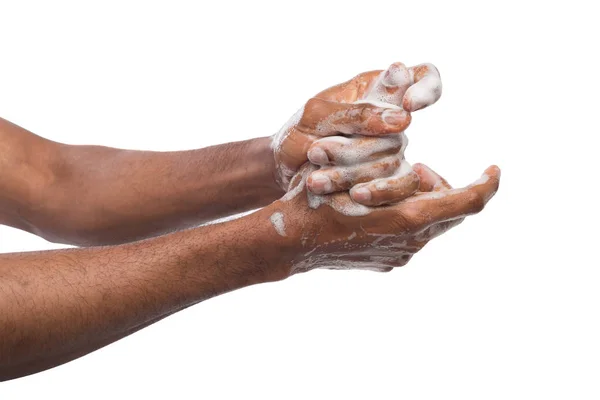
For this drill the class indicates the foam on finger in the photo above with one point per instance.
(426, 90)
(487, 185)
(354, 149)
(390, 86)
(402, 184)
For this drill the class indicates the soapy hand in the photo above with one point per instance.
(340, 234)
(371, 111)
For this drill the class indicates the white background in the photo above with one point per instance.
(504, 306)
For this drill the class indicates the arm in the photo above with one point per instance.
(91, 195)
(59, 305)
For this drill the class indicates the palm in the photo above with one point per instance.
(379, 238)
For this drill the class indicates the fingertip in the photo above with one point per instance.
(428, 178)
(411, 105)
(419, 166)
(426, 91)
(317, 155)
(491, 174)
(494, 171)
(361, 195)
(400, 119)
(396, 75)
(487, 185)
(319, 183)
(397, 65)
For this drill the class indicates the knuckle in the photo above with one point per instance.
(413, 181)
(312, 104)
(314, 111)
(365, 113)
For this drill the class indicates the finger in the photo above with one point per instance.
(326, 118)
(423, 210)
(355, 149)
(386, 190)
(298, 181)
(430, 181)
(390, 86)
(334, 179)
(425, 91)
(487, 185)
(293, 150)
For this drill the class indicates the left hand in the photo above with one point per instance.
(335, 232)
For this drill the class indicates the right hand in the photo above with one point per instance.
(341, 234)
(372, 110)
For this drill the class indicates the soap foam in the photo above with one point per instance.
(379, 251)
(390, 86)
(381, 95)
(284, 173)
(278, 223)
(427, 90)
(352, 148)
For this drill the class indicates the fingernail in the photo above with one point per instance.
(321, 183)
(497, 170)
(361, 194)
(394, 117)
(318, 156)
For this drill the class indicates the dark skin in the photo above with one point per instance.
(59, 305)
(94, 195)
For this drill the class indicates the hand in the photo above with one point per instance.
(366, 107)
(335, 232)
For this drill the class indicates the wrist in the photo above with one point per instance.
(272, 243)
(264, 159)
(219, 258)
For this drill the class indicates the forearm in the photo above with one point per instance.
(90, 195)
(59, 305)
